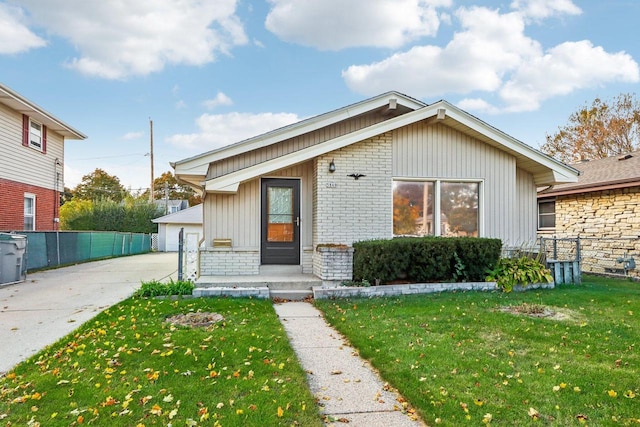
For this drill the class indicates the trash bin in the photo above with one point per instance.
(13, 267)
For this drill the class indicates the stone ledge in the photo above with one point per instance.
(261, 292)
(413, 289)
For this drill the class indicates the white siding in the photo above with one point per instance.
(437, 151)
(526, 209)
(237, 216)
(24, 164)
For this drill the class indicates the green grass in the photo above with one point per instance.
(129, 367)
(460, 360)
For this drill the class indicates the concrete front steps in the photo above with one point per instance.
(275, 282)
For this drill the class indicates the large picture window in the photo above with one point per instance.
(436, 208)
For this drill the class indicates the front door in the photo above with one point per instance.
(280, 242)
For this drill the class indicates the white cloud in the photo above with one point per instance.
(15, 35)
(492, 54)
(217, 130)
(339, 24)
(540, 9)
(118, 39)
(132, 135)
(220, 99)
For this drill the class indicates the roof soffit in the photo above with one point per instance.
(544, 169)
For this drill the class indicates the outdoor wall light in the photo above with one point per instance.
(332, 166)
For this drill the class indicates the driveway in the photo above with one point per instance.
(50, 304)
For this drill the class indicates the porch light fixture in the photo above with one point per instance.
(332, 166)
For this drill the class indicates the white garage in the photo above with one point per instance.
(169, 227)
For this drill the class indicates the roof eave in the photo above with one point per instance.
(22, 105)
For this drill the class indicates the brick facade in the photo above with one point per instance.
(12, 206)
(229, 262)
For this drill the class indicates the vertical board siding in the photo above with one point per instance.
(440, 152)
(237, 216)
(292, 145)
(526, 209)
(25, 164)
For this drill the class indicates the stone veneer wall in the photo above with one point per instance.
(608, 213)
(608, 223)
(346, 210)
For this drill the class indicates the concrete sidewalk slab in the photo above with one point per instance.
(344, 384)
(52, 303)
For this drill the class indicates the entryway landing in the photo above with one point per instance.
(274, 281)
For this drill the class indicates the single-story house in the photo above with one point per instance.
(602, 208)
(169, 226)
(31, 163)
(387, 166)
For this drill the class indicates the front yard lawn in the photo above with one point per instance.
(569, 356)
(131, 367)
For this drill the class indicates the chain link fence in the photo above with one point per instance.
(604, 256)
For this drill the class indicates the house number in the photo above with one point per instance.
(331, 185)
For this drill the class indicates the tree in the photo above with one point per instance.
(176, 191)
(99, 185)
(604, 129)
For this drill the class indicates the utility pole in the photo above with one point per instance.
(151, 156)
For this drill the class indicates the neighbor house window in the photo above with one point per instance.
(546, 214)
(29, 212)
(436, 208)
(34, 134)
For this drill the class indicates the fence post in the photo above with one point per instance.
(555, 248)
(180, 252)
(58, 246)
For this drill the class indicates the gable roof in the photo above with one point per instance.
(192, 215)
(603, 174)
(22, 105)
(196, 167)
(546, 170)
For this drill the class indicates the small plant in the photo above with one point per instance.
(509, 272)
(156, 288)
(459, 269)
(354, 283)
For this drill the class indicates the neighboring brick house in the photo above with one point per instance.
(387, 166)
(604, 202)
(31, 163)
(602, 208)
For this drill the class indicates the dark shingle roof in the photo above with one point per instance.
(613, 172)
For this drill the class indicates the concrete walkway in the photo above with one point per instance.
(345, 385)
(51, 304)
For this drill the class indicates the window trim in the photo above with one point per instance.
(27, 140)
(546, 200)
(436, 214)
(32, 215)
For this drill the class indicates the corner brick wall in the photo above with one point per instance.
(333, 264)
(346, 210)
(12, 206)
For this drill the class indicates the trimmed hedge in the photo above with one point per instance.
(425, 259)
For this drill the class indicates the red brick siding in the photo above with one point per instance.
(12, 206)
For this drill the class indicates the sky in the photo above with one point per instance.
(208, 73)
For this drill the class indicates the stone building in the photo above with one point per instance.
(602, 208)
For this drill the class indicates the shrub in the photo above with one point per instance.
(425, 259)
(509, 272)
(156, 288)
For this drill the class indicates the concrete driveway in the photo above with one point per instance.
(52, 303)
